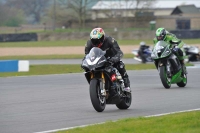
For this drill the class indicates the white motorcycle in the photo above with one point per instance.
(192, 52)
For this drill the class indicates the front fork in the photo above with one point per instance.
(101, 83)
(167, 65)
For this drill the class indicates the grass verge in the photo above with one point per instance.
(61, 69)
(42, 57)
(80, 43)
(187, 122)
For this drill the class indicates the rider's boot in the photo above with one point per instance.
(183, 67)
(122, 70)
(178, 52)
(127, 84)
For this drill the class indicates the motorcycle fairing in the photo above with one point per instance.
(161, 50)
(95, 59)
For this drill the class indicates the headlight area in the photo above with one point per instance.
(101, 63)
(153, 55)
(166, 52)
(84, 64)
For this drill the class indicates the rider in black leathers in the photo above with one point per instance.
(110, 45)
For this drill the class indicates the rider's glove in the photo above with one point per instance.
(114, 59)
(176, 49)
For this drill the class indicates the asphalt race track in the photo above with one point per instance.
(41, 103)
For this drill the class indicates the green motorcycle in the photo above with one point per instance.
(168, 65)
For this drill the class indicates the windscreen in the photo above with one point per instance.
(94, 53)
(160, 45)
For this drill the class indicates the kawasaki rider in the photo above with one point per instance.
(164, 35)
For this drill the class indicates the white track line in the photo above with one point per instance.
(173, 112)
(61, 129)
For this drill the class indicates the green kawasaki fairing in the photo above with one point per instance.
(169, 67)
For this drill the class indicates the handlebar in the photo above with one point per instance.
(109, 62)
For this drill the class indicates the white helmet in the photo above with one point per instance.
(142, 43)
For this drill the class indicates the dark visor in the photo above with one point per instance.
(95, 42)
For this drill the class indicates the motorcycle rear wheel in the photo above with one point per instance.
(98, 101)
(163, 76)
(126, 102)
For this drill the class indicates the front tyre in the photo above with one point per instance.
(183, 82)
(126, 102)
(98, 101)
(164, 78)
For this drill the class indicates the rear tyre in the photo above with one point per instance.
(198, 57)
(98, 101)
(163, 76)
(126, 102)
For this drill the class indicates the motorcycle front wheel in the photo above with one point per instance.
(166, 81)
(183, 82)
(98, 101)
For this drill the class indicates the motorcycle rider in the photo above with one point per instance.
(110, 45)
(142, 47)
(164, 35)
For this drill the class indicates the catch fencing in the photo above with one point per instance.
(186, 34)
(18, 37)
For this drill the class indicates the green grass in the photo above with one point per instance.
(80, 43)
(63, 69)
(41, 57)
(188, 122)
(67, 30)
(191, 41)
(59, 43)
(45, 69)
(88, 30)
(44, 43)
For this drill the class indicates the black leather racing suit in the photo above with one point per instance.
(112, 49)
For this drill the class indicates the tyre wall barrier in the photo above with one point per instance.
(18, 37)
(186, 34)
(14, 66)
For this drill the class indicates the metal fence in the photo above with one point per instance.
(18, 37)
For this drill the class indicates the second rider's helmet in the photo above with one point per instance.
(97, 36)
(142, 43)
(161, 34)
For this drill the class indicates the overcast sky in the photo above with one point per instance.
(122, 4)
(174, 3)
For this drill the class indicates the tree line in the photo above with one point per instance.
(62, 12)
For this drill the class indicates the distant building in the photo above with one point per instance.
(185, 10)
(113, 9)
(172, 14)
(182, 17)
(189, 14)
(123, 8)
